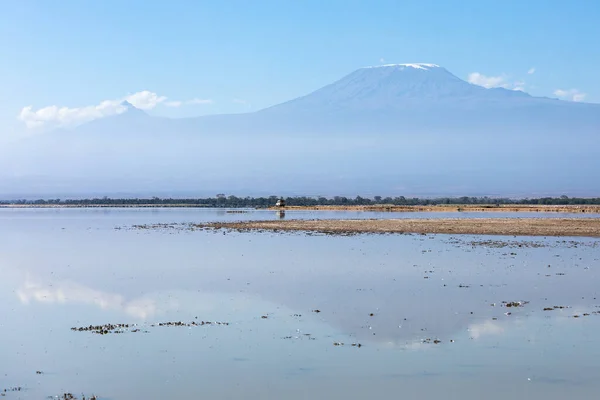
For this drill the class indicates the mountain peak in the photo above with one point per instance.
(422, 66)
(128, 108)
(127, 105)
(390, 86)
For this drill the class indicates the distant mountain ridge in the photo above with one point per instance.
(391, 98)
(397, 98)
(391, 129)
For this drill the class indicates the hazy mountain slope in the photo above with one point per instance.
(396, 98)
(395, 87)
(395, 129)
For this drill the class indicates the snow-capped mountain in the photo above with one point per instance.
(394, 86)
(393, 98)
(390, 129)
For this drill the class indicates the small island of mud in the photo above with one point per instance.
(589, 227)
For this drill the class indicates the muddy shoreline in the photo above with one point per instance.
(588, 227)
(452, 208)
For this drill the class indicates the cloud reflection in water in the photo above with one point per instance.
(70, 292)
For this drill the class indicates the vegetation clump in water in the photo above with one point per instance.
(122, 328)
(514, 303)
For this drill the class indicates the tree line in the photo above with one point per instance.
(264, 202)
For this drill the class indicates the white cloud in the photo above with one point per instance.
(64, 116)
(487, 81)
(570, 94)
(382, 60)
(179, 103)
(239, 101)
(500, 81)
(519, 85)
(55, 116)
(145, 100)
(70, 292)
(531, 71)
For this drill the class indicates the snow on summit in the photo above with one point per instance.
(422, 66)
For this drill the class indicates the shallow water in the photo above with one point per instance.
(70, 268)
(175, 215)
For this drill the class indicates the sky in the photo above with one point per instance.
(69, 61)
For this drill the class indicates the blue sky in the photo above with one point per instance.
(203, 57)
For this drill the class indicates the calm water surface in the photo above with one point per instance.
(70, 268)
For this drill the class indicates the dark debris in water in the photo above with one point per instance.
(122, 328)
(11, 389)
(586, 314)
(429, 340)
(498, 244)
(308, 336)
(71, 396)
(514, 303)
(515, 244)
(555, 308)
(352, 344)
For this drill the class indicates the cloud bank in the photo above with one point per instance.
(55, 116)
(191, 102)
(489, 82)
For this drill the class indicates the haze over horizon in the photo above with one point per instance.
(222, 102)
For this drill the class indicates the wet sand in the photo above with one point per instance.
(589, 227)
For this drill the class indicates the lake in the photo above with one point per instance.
(290, 315)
